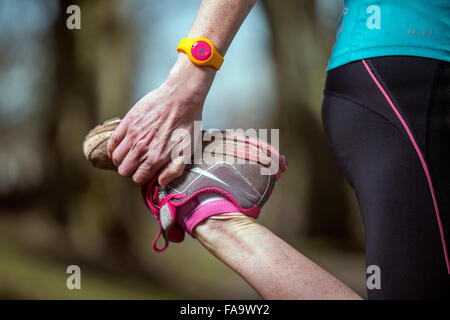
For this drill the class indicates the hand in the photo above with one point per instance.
(142, 144)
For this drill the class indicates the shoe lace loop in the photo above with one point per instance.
(154, 204)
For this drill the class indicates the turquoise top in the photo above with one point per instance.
(374, 28)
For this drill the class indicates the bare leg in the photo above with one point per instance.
(271, 266)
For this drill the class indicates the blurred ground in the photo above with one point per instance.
(30, 275)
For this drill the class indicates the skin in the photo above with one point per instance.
(142, 146)
(271, 266)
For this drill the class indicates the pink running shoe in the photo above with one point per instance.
(236, 174)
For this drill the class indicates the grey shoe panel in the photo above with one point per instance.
(242, 181)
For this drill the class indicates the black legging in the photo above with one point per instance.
(388, 122)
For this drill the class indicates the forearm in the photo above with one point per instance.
(142, 145)
(271, 266)
(219, 21)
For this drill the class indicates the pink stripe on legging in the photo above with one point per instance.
(422, 160)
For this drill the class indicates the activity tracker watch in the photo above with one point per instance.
(201, 52)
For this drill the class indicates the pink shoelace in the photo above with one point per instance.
(150, 194)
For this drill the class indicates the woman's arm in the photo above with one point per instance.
(271, 266)
(142, 144)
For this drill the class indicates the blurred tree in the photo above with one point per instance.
(299, 52)
(92, 72)
(61, 187)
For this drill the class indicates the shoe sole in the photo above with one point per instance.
(95, 147)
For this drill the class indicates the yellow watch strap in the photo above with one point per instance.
(215, 60)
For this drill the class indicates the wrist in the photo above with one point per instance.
(196, 81)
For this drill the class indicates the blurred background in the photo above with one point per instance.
(56, 84)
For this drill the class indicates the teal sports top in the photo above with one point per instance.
(375, 28)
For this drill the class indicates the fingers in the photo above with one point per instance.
(133, 153)
(171, 171)
(146, 171)
(142, 168)
(134, 159)
(120, 152)
(117, 137)
(131, 162)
